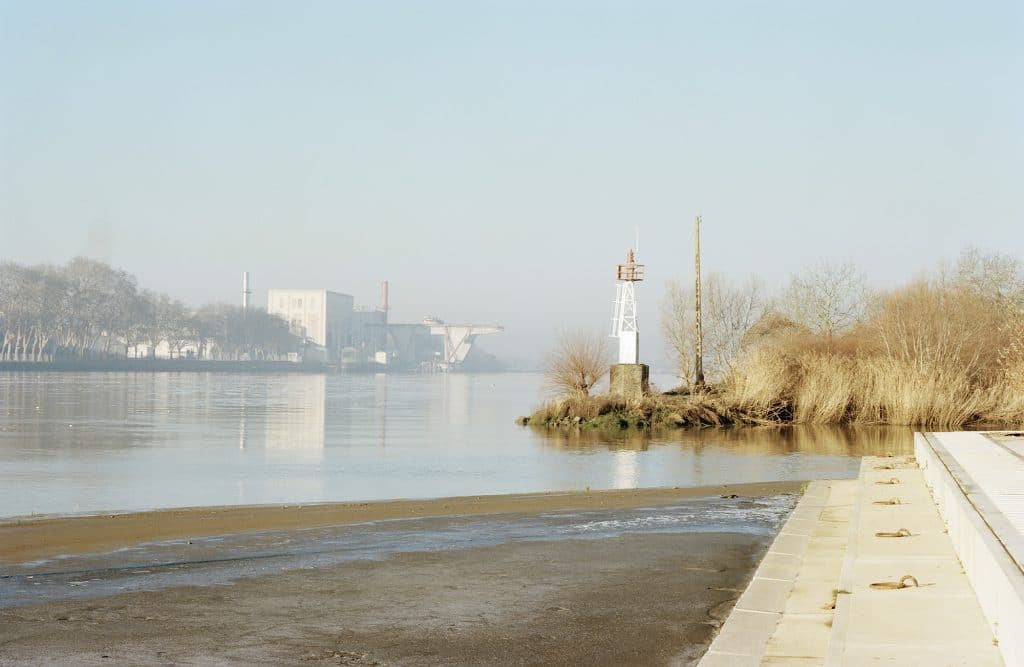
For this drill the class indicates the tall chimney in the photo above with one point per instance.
(384, 296)
(246, 292)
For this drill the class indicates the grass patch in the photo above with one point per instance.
(660, 411)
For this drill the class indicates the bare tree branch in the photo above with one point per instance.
(577, 364)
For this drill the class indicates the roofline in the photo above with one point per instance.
(308, 289)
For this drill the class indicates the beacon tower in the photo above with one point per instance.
(628, 378)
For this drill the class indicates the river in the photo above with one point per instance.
(73, 443)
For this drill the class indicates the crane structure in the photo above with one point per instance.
(458, 339)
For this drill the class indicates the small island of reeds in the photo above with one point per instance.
(946, 351)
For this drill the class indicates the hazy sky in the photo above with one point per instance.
(492, 160)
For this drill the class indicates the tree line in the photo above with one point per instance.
(831, 308)
(87, 309)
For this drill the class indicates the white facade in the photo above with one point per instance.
(322, 317)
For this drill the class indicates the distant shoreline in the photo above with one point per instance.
(161, 366)
(194, 366)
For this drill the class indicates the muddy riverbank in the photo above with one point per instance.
(624, 577)
(629, 600)
(32, 538)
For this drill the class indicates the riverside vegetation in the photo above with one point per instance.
(88, 309)
(946, 350)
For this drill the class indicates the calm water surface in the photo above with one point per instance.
(93, 442)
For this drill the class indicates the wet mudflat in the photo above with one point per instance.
(598, 578)
(651, 599)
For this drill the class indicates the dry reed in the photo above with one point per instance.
(928, 355)
(944, 352)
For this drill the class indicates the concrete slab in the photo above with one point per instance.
(750, 622)
(715, 658)
(915, 617)
(754, 619)
(784, 615)
(800, 527)
(812, 593)
(745, 642)
(936, 576)
(950, 655)
(800, 637)
(765, 595)
(977, 480)
(917, 545)
(779, 566)
(939, 622)
(790, 543)
(790, 661)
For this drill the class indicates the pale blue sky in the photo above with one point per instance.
(492, 159)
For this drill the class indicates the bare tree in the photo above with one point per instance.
(678, 326)
(729, 311)
(29, 311)
(826, 299)
(577, 364)
(969, 316)
(993, 276)
(175, 324)
(85, 307)
(139, 316)
(237, 333)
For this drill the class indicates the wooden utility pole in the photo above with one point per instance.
(698, 367)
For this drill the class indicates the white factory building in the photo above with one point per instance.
(319, 316)
(333, 331)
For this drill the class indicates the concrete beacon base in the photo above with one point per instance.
(630, 381)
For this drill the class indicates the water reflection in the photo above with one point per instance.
(747, 441)
(381, 405)
(243, 417)
(627, 472)
(124, 441)
(296, 418)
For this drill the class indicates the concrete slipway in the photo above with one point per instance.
(829, 590)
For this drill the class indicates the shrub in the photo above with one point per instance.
(577, 364)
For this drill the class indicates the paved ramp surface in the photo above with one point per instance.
(829, 590)
(977, 480)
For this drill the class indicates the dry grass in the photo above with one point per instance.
(763, 384)
(928, 355)
(657, 411)
(942, 352)
(828, 388)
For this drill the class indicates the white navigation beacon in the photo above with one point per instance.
(624, 326)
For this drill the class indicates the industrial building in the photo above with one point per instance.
(335, 332)
(320, 317)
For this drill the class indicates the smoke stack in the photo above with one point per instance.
(246, 292)
(384, 307)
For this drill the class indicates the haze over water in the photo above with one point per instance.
(96, 442)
